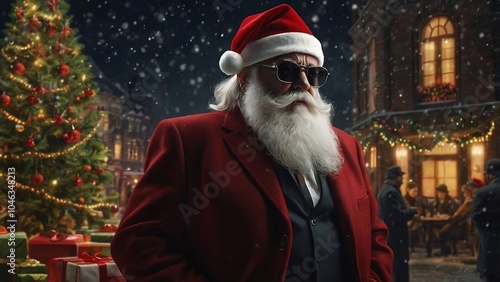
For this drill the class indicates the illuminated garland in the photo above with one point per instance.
(48, 121)
(28, 86)
(394, 129)
(53, 155)
(19, 48)
(61, 201)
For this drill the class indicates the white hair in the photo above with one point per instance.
(226, 94)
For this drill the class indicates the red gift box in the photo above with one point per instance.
(46, 246)
(93, 268)
(56, 268)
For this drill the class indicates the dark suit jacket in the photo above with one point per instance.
(486, 215)
(209, 208)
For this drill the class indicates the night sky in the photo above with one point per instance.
(178, 45)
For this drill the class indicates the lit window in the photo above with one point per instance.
(437, 55)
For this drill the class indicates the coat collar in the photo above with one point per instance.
(254, 158)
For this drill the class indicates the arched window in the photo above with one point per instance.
(437, 57)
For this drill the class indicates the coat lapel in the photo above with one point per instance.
(253, 158)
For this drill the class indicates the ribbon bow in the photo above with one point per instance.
(93, 258)
(54, 235)
(108, 228)
(29, 263)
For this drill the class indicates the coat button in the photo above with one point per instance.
(313, 222)
(283, 242)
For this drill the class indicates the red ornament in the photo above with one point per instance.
(78, 182)
(66, 30)
(115, 208)
(87, 168)
(58, 119)
(78, 98)
(32, 99)
(65, 138)
(51, 30)
(35, 23)
(30, 142)
(40, 90)
(88, 92)
(53, 4)
(99, 171)
(75, 136)
(70, 110)
(4, 99)
(37, 179)
(19, 68)
(81, 200)
(19, 13)
(63, 69)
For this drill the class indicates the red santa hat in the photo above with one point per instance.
(272, 33)
(476, 183)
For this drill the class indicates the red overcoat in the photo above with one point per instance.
(209, 208)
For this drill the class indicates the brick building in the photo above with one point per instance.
(125, 130)
(427, 88)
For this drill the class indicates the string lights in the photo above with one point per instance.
(56, 154)
(460, 126)
(60, 201)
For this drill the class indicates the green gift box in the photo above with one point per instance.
(31, 277)
(31, 266)
(86, 233)
(17, 241)
(102, 237)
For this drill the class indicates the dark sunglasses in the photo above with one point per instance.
(289, 72)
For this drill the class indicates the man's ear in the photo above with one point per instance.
(242, 78)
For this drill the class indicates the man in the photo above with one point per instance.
(444, 204)
(395, 213)
(486, 216)
(263, 188)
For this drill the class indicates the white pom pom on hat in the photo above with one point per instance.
(272, 33)
(231, 63)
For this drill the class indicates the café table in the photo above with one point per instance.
(429, 223)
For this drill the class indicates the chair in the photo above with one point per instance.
(471, 236)
(469, 241)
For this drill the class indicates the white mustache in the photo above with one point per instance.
(300, 96)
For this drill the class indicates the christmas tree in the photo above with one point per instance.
(49, 114)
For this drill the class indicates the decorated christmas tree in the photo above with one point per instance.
(49, 114)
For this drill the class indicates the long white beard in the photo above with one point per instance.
(299, 136)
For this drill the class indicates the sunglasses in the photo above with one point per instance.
(289, 72)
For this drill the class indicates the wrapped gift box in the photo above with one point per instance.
(102, 237)
(29, 270)
(56, 268)
(31, 266)
(102, 271)
(43, 248)
(87, 268)
(21, 245)
(31, 277)
(86, 233)
(93, 248)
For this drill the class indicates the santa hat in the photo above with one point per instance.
(476, 182)
(272, 33)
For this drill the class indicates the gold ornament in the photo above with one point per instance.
(19, 128)
(41, 115)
